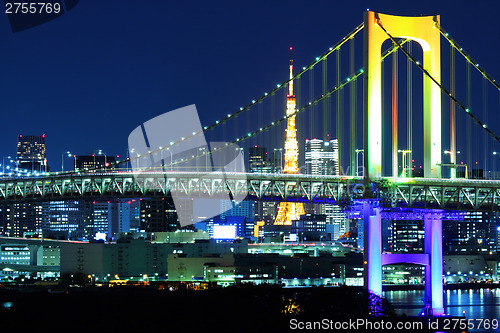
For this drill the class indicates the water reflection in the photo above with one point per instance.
(476, 304)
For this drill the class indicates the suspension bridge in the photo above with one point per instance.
(383, 118)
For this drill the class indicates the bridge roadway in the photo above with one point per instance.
(457, 194)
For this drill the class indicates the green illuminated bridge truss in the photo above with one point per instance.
(456, 194)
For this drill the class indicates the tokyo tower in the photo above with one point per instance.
(289, 211)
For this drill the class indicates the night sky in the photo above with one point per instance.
(89, 77)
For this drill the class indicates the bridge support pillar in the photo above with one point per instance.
(431, 259)
(433, 245)
(372, 254)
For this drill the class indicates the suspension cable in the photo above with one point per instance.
(272, 93)
(468, 121)
(352, 119)
(467, 57)
(279, 121)
(242, 109)
(443, 89)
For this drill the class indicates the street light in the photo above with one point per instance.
(62, 158)
(357, 159)
(99, 152)
(171, 164)
(130, 158)
(495, 153)
(206, 156)
(3, 165)
(403, 174)
(243, 154)
(453, 163)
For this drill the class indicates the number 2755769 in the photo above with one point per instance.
(32, 8)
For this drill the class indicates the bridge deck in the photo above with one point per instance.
(456, 194)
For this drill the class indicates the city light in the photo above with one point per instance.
(107, 225)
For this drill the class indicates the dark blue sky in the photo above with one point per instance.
(88, 78)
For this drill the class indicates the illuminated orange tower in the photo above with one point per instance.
(289, 211)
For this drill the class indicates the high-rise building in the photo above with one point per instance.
(123, 216)
(158, 214)
(112, 217)
(258, 160)
(5, 217)
(26, 219)
(67, 219)
(322, 158)
(31, 153)
(289, 211)
(100, 215)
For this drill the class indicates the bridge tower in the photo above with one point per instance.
(378, 28)
(422, 30)
(289, 211)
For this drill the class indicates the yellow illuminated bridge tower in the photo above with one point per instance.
(289, 211)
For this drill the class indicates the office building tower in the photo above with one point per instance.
(123, 216)
(25, 219)
(258, 160)
(31, 153)
(66, 219)
(321, 158)
(160, 214)
(112, 217)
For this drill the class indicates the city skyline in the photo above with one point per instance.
(270, 191)
(100, 73)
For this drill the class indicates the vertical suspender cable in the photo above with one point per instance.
(352, 120)
(468, 130)
(485, 135)
(324, 87)
(339, 115)
(311, 98)
(275, 135)
(453, 124)
(260, 111)
(395, 170)
(382, 101)
(409, 107)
